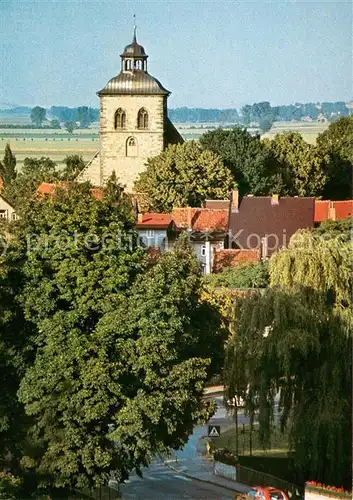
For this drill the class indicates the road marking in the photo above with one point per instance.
(182, 477)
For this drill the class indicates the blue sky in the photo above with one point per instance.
(208, 53)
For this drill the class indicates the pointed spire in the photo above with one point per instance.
(135, 27)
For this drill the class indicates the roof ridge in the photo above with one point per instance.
(7, 201)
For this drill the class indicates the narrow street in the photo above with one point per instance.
(160, 481)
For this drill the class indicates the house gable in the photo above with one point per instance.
(7, 211)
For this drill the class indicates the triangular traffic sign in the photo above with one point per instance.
(213, 432)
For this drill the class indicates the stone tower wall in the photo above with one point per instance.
(114, 141)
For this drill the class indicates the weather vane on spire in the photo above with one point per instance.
(135, 27)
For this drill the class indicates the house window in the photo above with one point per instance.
(150, 233)
(3, 214)
(120, 118)
(203, 250)
(142, 119)
(131, 147)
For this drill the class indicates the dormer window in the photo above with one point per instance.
(120, 119)
(142, 119)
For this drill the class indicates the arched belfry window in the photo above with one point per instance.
(142, 119)
(131, 147)
(120, 118)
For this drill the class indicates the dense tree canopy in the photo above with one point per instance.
(183, 174)
(321, 263)
(296, 338)
(341, 228)
(117, 352)
(336, 145)
(241, 276)
(38, 115)
(8, 166)
(250, 163)
(303, 169)
(33, 173)
(74, 164)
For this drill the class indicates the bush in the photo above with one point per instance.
(226, 457)
(254, 275)
(9, 486)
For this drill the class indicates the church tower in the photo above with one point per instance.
(133, 121)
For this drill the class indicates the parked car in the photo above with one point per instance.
(264, 493)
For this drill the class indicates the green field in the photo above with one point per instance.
(53, 143)
(278, 447)
(59, 143)
(10, 119)
(309, 130)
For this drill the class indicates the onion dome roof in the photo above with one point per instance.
(133, 82)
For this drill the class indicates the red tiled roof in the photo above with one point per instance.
(47, 188)
(342, 209)
(97, 193)
(232, 257)
(154, 220)
(202, 219)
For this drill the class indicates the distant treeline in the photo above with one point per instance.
(298, 111)
(257, 112)
(82, 114)
(254, 113)
(47, 125)
(202, 115)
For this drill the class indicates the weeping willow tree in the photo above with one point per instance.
(295, 339)
(320, 262)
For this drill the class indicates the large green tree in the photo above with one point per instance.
(38, 115)
(302, 167)
(34, 171)
(336, 144)
(8, 166)
(83, 116)
(250, 163)
(249, 275)
(13, 336)
(183, 174)
(119, 351)
(74, 164)
(341, 228)
(295, 339)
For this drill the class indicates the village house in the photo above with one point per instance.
(266, 223)
(207, 229)
(332, 210)
(48, 189)
(156, 230)
(7, 211)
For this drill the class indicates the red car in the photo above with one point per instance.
(267, 493)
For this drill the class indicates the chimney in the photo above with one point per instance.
(139, 217)
(331, 211)
(264, 248)
(275, 199)
(189, 217)
(235, 200)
